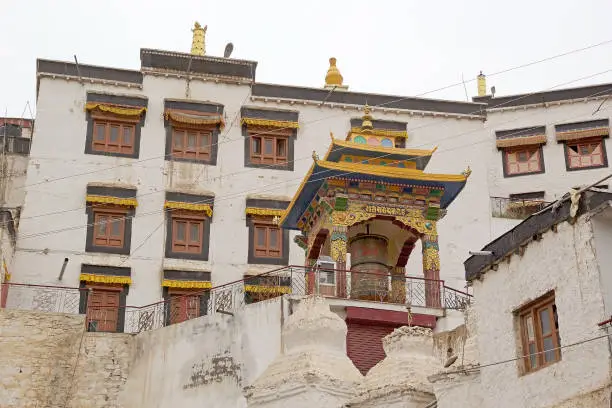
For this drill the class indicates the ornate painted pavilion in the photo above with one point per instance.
(370, 197)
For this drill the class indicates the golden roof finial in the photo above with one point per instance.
(366, 125)
(315, 156)
(467, 172)
(482, 84)
(333, 77)
(198, 45)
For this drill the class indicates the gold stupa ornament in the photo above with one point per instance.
(334, 79)
(198, 45)
(366, 125)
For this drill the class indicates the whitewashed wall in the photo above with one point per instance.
(58, 152)
(566, 262)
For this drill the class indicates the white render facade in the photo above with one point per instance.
(59, 170)
(563, 254)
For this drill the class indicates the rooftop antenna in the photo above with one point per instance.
(228, 50)
(78, 69)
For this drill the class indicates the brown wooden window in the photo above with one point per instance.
(187, 234)
(269, 149)
(103, 308)
(109, 227)
(523, 160)
(585, 153)
(268, 241)
(539, 329)
(191, 144)
(184, 305)
(113, 136)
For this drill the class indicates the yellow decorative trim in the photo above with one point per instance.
(431, 259)
(521, 141)
(189, 206)
(117, 110)
(267, 289)
(380, 149)
(581, 134)
(379, 132)
(89, 277)
(173, 283)
(128, 202)
(269, 123)
(194, 120)
(395, 172)
(264, 211)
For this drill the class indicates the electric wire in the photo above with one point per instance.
(275, 185)
(334, 116)
(342, 148)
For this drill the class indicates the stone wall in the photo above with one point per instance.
(47, 360)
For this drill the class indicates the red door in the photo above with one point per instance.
(103, 310)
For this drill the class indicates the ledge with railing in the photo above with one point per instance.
(232, 297)
(513, 208)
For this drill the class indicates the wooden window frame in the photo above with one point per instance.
(196, 155)
(105, 147)
(583, 142)
(91, 310)
(94, 239)
(184, 295)
(523, 149)
(274, 158)
(264, 250)
(532, 311)
(199, 250)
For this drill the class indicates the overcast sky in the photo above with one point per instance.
(401, 47)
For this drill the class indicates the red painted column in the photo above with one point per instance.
(431, 270)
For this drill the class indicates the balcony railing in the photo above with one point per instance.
(15, 144)
(502, 207)
(232, 297)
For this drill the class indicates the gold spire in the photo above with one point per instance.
(366, 125)
(333, 78)
(482, 84)
(198, 45)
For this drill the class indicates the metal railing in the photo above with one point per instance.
(518, 209)
(15, 144)
(232, 297)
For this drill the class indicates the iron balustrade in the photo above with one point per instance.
(230, 298)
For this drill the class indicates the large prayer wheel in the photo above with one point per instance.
(369, 269)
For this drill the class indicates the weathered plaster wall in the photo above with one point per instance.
(602, 231)
(46, 360)
(205, 361)
(563, 261)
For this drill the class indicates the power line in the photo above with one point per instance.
(334, 116)
(324, 171)
(217, 199)
(207, 201)
(342, 148)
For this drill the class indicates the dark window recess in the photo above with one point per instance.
(585, 154)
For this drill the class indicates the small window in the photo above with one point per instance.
(269, 149)
(327, 277)
(191, 144)
(268, 241)
(113, 137)
(539, 329)
(103, 309)
(109, 229)
(187, 235)
(183, 306)
(525, 160)
(585, 154)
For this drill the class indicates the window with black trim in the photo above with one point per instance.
(113, 136)
(539, 333)
(109, 228)
(191, 144)
(268, 243)
(585, 154)
(523, 160)
(188, 234)
(268, 148)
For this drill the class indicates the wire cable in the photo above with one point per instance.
(334, 116)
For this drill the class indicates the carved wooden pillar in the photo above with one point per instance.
(338, 247)
(431, 270)
(398, 284)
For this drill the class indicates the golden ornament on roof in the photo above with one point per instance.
(198, 46)
(333, 77)
(366, 125)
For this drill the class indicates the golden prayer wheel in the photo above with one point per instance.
(369, 269)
